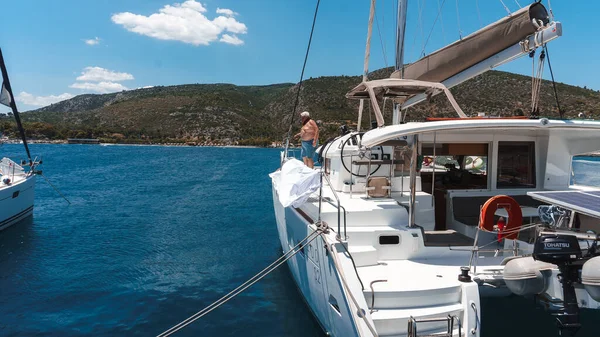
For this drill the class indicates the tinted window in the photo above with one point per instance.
(516, 164)
(457, 165)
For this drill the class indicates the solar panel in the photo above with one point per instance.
(596, 193)
(583, 202)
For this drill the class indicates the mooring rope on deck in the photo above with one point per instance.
(303, 243)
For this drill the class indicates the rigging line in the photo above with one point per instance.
(421, 26)
(432, 27)
(395, 5)
(303, 243)
(442, 22)
(532, 55)
(382, 23)
(538, 85)
(458, 20)
(560, 112)
(383, 49)
(302, 74)
(518, 4)
(551, 13)
(478, 13)
(505, 7)
(418, 26)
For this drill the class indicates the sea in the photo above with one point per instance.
(153, 234)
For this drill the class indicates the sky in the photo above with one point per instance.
(55, 50)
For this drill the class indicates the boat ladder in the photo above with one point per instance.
(412, 326)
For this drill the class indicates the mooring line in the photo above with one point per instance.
(303, 243)
(54, 187)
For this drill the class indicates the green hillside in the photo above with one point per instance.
(230, 114)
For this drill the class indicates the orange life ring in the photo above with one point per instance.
(515, 216)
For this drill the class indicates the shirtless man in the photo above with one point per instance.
(309, 133)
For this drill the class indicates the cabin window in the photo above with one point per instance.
(457, 165)
(516, 165)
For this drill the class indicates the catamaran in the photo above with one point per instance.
(17, 185)
(405, 227)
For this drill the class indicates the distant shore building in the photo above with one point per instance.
(83, 141)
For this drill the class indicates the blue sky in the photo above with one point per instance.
(61, 48)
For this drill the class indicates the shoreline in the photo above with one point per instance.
(188, 144)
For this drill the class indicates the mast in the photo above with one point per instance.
(13, 105)
(366, 63)
(400, 32)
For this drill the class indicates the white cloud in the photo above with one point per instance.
(97, 74)
(183, 22)
(100, 87)
(231, 39)
(191, 5)
(29, 99)
(226, 11)
(92, 42)
(146, 87)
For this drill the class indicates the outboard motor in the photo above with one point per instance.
(563, 251)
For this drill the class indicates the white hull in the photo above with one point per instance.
(334, 292)
(314, 273)
(16, 201)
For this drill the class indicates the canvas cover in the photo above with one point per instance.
(295, 182)
(484, 43)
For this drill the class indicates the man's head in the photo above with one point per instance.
(304, 116)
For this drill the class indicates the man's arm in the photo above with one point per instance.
(316, 127)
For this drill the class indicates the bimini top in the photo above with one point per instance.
(382, 134)
(399, 90)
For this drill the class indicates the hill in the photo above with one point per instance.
(226, 113)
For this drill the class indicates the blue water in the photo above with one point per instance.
(155, 234)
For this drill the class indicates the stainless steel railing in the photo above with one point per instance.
(338, 206)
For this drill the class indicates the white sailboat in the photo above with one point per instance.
(390, 248)
(16, 193)
(17, 185)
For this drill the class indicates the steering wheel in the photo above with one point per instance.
(356, 141)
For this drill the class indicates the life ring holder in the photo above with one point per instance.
(512, 207)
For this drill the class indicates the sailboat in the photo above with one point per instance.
(398, 233)
(17, 184)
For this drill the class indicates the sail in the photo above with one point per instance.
(484, 43)
(7, 98)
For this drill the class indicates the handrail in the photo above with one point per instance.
(329, 201)
(339, 207)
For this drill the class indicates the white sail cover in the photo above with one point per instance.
(295, 182)
(482, 44)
